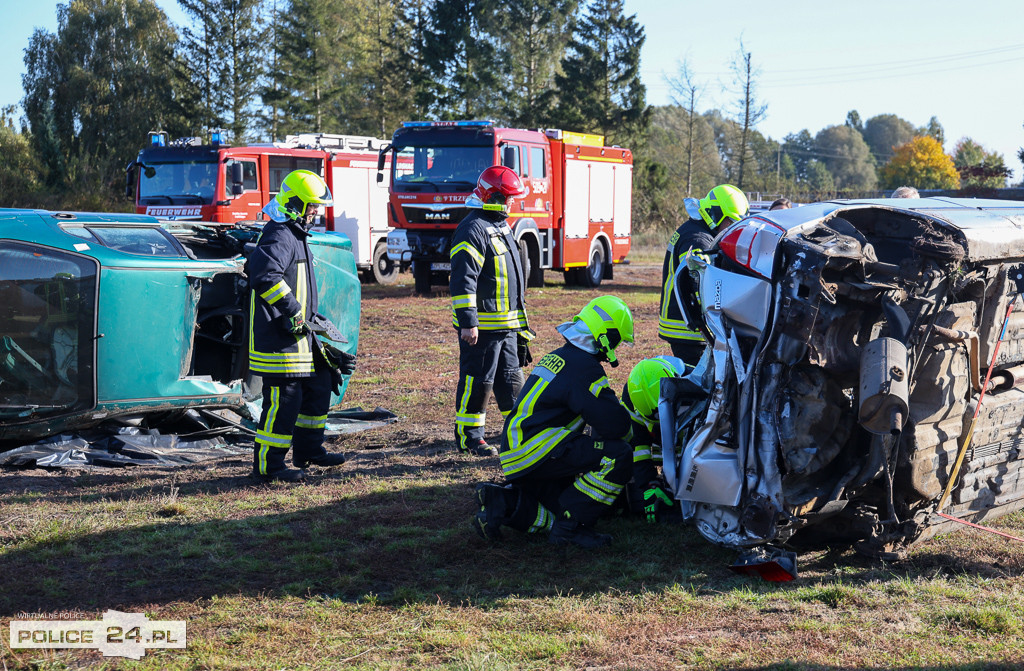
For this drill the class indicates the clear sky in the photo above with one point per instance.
(961, 62)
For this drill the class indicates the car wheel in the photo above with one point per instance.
(385, 271)
(592, 275)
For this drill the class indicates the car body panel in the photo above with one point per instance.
(169, 323)
(847, 341)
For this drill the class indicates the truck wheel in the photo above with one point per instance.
(592, 275)
(524, 259)
(385, 271)
(421, 276)
(571, 277)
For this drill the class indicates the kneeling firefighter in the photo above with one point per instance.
(560, 479)
(646, 493)
(297, 376)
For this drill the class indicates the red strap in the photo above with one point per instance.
(978, 526)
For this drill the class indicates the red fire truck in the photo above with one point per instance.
(186, 179)
(575, 218)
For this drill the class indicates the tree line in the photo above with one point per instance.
(116, 69)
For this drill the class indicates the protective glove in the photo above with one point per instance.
(655, 497)
(297, 325)
(339, 359)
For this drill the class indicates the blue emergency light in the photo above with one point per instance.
(217, 136)
(157, 138)
(479, 123)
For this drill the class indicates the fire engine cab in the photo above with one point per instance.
(575, 216)
(215, 182)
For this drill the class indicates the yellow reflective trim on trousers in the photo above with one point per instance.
(543, 521)
(276, 292)
(598, 385)
(273, 440)
(463, 301)
(262, 457)
(295, 367)
(467, 419)
(460, 429)
(676, 333)
(275, 405)
(311, 421)
(595, 494)
(473, 252)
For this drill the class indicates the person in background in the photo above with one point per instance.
(781, 204)
(562, 479)
(905, 192)
(724, 204)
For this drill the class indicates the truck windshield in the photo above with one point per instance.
(440, 168)
(178, 183)
(47, 332)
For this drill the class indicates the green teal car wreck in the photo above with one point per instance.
(118, 316)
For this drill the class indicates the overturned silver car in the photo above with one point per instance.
(864, 378)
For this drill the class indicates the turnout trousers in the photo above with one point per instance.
(294, 416)
(491, 365)
(583, 480)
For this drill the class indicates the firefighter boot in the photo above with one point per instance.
(268, 464)
(493, 505)
(308, 448)
(567, 530)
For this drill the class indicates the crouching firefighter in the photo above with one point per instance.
(488, 307)
(297, 378)
(646, 494)
(560, 479)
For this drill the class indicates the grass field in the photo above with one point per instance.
(374, 566)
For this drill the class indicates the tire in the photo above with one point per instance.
(385, 271)
(421, 276)
(524, 259)
(571, 277)
(592, 275)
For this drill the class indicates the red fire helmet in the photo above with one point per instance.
(498, 180)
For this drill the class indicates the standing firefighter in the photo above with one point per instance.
(561, 479)
(297, 379)
(723, 204)
(488, 306)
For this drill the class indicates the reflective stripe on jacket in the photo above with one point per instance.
(693, 234)
(283, 284)
(487, 281)
(566, 391)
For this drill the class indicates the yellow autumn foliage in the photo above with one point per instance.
(920, 163)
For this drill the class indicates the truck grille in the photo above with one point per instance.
(422, 215)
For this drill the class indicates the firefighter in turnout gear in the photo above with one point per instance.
(297, 379)
(560, 479)
(488, 306)
(640, 397)
(724, 204)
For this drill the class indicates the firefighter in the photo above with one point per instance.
(646, 494)
(297, 379)
(561, 480)
(724, 204)
(488, 306)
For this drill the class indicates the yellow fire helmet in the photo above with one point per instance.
(300, 189)
(724, 204)
(644, 384)
(610, 322)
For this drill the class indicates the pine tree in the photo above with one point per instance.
(749, 110)
(461, 50)
(531, 36)
(599, 89)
